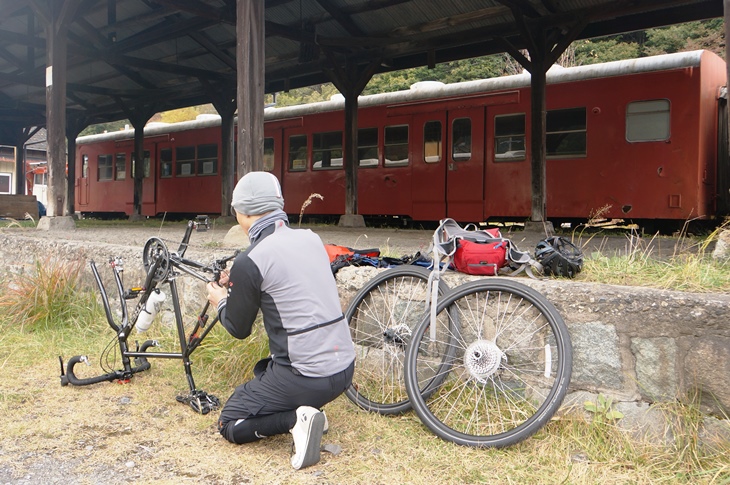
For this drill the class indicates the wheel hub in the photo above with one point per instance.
(397, 335)
(482, 359)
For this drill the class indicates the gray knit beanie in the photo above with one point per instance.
(257, 193)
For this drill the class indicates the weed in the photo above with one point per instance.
(10, 222)
(689, 268)
(306, 204)
(602, 409)
(48, 297)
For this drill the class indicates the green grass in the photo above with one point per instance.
(690, 267)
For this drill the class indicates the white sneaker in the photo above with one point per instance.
(307, 434)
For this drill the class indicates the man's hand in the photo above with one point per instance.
(216, 292)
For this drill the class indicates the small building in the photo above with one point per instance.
(36, 172)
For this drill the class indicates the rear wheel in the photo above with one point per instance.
(382, 317)
(503, 374)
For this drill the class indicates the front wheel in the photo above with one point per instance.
(509, 364)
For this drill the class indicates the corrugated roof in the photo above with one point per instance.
(165, 52)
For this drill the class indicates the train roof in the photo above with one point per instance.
(434, 89)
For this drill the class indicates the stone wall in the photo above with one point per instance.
(633, 344)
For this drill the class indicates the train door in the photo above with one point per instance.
(465, 164)
(149, 207)
(429, 166)
(164, 182)
(82, 189)
(385, 188)
(273, 150)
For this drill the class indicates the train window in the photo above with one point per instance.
(185, 161)
(166, 163)
(120, 167)
(146, 161)
(367, 147)
(5, 183)
(432, 142)
(566, 133)
(208, 159)
(84, 166)
(298, 153)
(396, 146)
(269, 154)
(647, 120)
(105, 167)
(327, 150)
(509, 137)
(461, 134)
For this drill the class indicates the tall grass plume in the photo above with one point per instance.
(307, 203)
(49, 296)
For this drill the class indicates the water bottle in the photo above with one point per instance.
(148, 313)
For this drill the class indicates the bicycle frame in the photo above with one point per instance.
(163, 267)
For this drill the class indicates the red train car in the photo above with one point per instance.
(633, 139)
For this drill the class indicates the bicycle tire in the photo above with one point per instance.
(509, 369)
(382, 316)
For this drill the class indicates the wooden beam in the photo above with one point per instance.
(199, 9)
(205, 41)
(250, 32)
(523, 6)
(342, 18)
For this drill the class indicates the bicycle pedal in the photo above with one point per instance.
(200, 402)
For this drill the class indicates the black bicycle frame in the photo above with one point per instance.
(198, 399)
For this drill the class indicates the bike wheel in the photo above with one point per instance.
(382, 316)
(509, 364)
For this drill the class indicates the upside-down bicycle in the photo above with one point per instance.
(162, 267)
(487, 363)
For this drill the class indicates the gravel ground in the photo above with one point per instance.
(391, 241)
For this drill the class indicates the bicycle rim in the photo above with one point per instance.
(382, 317)
(509, 364)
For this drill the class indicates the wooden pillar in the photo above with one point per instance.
(250, 43)
(223, 97)
(726, 11)
(20, 165)
(139, 118)
(350, 81)
(228, 160)
(55, 15)
(538, 168)
(74, 126)
(545, 45)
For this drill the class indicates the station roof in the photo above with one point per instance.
(170, 53)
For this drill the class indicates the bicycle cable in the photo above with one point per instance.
(104, 358)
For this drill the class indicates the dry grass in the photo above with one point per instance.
(689, 268)
(307, 203)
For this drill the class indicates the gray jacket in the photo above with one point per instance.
(286, 274)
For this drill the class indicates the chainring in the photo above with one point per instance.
(155, 251)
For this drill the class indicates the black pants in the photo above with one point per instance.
(276, 389)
